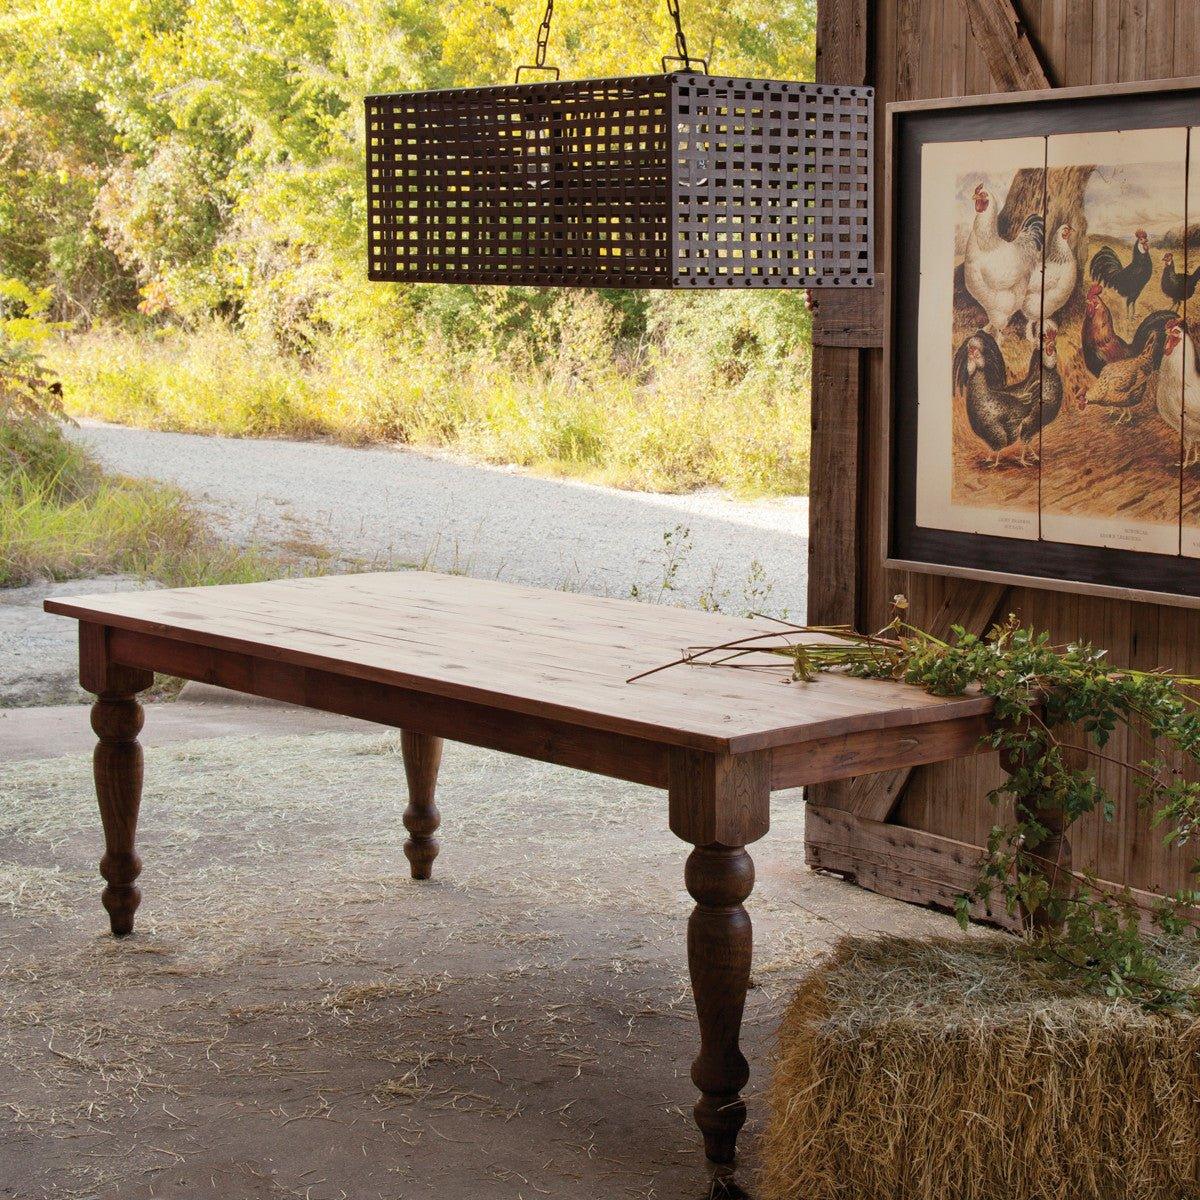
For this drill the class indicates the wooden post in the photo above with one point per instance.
(117, 768)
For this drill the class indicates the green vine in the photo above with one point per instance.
(1056, 708)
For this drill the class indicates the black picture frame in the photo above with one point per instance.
(1129, 574)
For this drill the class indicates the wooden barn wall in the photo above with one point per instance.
(911, 49)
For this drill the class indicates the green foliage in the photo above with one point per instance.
(60, 517)
(209, 152)
(560, 401)
(201, 161)
(30, 399)
(1057, 708)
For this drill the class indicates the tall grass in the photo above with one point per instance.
(648, 415)
(60, 515)
(64, 519)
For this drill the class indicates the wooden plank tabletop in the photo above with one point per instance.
(528, 650)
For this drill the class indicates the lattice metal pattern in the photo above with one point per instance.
(680, 180)
(772, 183)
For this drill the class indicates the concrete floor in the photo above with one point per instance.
(296, 1018)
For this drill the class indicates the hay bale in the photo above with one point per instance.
(958, 1069)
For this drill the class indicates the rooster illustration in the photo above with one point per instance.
(1100, 342)
(997, 271)
(1128, 280)
(1005, 415)
(1177, 287)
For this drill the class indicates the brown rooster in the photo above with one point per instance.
(1123, 385)
(1100, 342)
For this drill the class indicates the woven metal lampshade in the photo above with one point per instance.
(660, 181)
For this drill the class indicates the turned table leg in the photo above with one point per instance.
(719, 803)
(117, 769)
(422, 757)
(719, 878)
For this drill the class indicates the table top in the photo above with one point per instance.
(527, 650)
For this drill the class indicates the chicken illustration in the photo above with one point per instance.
(1100, 342)
(1052, 282)
(1005, 415)
(1178, 398)
(996, 271)
(1122, 386)
(1129, 280)
(1176, 286)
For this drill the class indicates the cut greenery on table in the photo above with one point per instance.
(1056, 709)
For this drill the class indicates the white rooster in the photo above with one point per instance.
(1179, 391)
(997, 271)
(1052, 282)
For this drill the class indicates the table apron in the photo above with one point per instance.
(598, 751)
(602, 752)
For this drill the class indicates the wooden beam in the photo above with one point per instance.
(913, 865)
(851, 317)
(907, 864)
(833, 507)
(842, 41)
(1003, 38)
(837, 392)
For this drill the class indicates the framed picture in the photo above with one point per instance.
(1043, 339)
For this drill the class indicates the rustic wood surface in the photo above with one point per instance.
(117, 770)
(720, 939)
(548, 654)
(1117, 45)
(833, 579)
(422, 757)
(1003, 39)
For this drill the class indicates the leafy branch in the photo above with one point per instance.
(1039, 691)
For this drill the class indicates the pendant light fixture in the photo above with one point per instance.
(678, 180)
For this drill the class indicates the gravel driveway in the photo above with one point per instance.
(386, 506)
(394, 504)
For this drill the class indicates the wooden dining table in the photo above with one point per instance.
(541, 674)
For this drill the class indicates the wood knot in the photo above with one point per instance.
(719, 876)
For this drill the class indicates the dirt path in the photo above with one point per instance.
(382, 503)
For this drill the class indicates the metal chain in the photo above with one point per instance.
(543, 34)
(680, 37)
(543, 41)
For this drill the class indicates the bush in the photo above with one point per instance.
(711, 393)
(60, 516)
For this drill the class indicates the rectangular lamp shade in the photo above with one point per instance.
(656, 181)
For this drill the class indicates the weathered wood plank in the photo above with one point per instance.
(910, 864)
(1003, 37)
(553, 655)
(842, 41)
(842, 57)
(849, 317)
(833, 507)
